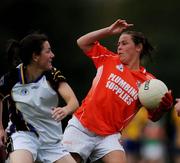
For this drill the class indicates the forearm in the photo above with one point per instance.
(70, 98)
(71, 106)
(86, 42)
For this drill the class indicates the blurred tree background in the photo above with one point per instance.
(65, 20)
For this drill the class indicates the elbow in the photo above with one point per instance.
(84, 43)
(77, 104)
(80, 42)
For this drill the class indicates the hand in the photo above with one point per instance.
(177, 106)
(118, 26)
(59, 113)
(165, 106)
(166, 101)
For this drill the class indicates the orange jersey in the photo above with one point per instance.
(113, 98)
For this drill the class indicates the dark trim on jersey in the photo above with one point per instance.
(18, 122)
(22, 76)
(54, 76)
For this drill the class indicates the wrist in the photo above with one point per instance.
(108, 31)
(67, 110)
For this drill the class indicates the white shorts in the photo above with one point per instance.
(78, 139)
(42, 151)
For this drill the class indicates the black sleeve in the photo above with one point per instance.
(55, 76)
(7, 81)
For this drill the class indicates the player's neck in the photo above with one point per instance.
(32, 73)
(134, 65)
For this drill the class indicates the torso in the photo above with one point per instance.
(112, 100)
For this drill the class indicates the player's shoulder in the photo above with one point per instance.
(54, 74)
(146, 73)
(98, 48)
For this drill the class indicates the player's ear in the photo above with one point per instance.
(139, 47)
(35, 57)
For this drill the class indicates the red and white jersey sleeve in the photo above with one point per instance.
(99, 54)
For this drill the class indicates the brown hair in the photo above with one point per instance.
(139, 38)
(21, 51)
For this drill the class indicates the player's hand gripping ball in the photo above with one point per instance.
(151, 92)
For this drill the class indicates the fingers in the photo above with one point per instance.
(58, 114)
(168, 98)
(118, 26)
(124, 23)
(167, 101)
(121, 23)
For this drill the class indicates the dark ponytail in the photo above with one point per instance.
(32, 43)
(12, 50)
(22, 51)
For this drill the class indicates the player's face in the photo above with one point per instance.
(127, 49)
(46, 56)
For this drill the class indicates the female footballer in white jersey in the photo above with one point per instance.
(32, 90)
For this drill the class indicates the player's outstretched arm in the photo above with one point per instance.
(86, 41)
(72, 103)
(165, 106)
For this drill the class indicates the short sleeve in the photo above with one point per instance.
(54, 76)
(99, 54)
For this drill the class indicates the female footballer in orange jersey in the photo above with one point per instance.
(112, 102)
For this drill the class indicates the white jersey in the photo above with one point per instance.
(31, 103)
(35, 101)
